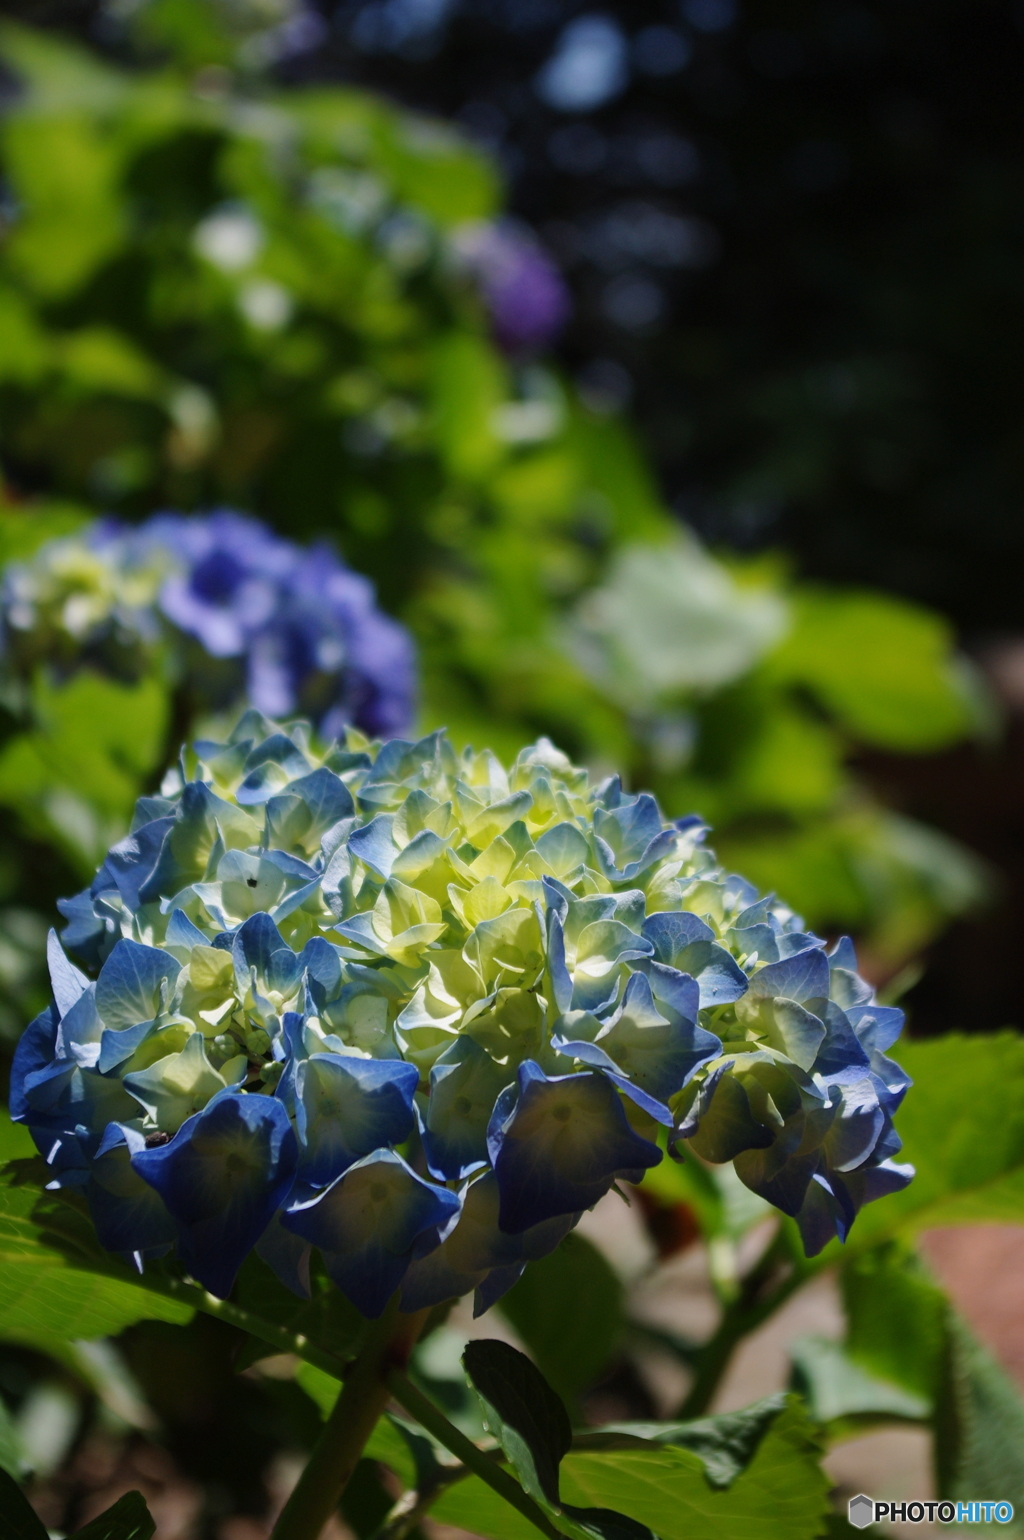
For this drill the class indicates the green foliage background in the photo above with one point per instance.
(521, 537)
(495, 513)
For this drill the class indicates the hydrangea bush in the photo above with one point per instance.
(240, 613)
(420, 1012)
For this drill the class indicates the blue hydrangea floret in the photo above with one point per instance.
(420, 1012)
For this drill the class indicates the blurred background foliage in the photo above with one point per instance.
(215, 288)
(231, 271)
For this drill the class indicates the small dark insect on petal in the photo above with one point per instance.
(251, 881)
(157, 1138)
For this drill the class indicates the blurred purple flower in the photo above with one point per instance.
(228, 589)
(306, 630)
(521, 286)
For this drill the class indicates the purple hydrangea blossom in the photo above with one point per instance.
(524, 292)
(308, 627)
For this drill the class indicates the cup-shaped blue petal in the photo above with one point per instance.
(369, 1225)
(222, 1176)
(130, 1216)
(347, 1106)
(561, 1146)
(465, 1083)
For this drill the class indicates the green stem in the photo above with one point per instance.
(276, 1336)
(364, 1395)
(743, 1316)
(404, 1392)
(437, 1424)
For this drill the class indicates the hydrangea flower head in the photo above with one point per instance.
(244, 614)
(421, 1012)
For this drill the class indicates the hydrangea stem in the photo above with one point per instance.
(436, 1423)
(364, 1395)
(385, 1352)
(780, 1272)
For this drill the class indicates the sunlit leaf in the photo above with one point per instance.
(838, 1391)
(782, 1495)
(881, 664)
(44, 1295)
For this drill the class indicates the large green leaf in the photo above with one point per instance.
(567, 1309)
(725, 1444)
(22, 530)
(896, 1319)
(49, 1292)
(670, 620)
(468, 388)
(782, 1495)
(980, 1428)
(530, 1423)
(477, 1508)
(74, 778)
(16, 1142)
(882, 665)
(845, 1397)
(40, 1301)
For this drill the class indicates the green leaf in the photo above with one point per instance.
(896, 1319)
(838, 1391)
(320, 1387)
(24, 529)
(473, 1506)
(10, 1445)
(613, 461)
(522, 1412)
(101, 360)
(725, 1444)
(468, 387)
(75, 778)
(48, 1286)
(670, 620)
(23, 1522)
(16, 1143)
(365, 1502)
(781, 1495)
(567, 1309)
(40, 1302)
(962, 1126)
(24, 346)
(128, 1519)
(980, 1431)
(882, 665)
